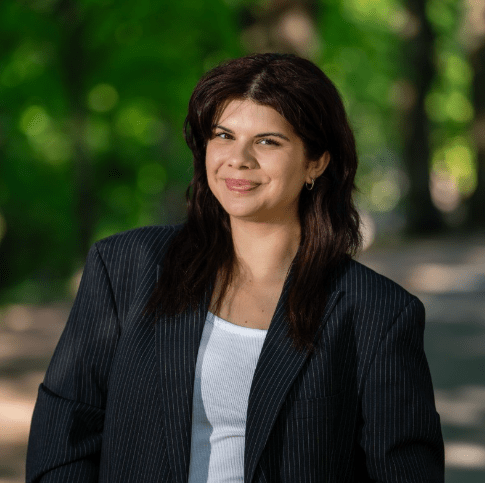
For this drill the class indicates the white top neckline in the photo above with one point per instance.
(237, 329)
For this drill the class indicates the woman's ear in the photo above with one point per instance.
(317, 167)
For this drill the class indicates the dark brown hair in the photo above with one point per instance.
(299, 91)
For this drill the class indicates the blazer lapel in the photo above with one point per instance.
(177, 344)
(278, 365)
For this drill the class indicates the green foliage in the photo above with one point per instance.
(362, 54)
(93, 94)
(449, 104)
(361, 42)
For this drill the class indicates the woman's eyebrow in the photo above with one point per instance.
(276, 134)
(261, 135)
(223, 128)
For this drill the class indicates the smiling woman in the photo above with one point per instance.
(246, 344)
(279, 120)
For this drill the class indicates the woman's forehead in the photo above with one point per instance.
(239, 111)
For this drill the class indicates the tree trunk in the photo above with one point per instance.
(75, 66)
(477, 201)
(422, 216)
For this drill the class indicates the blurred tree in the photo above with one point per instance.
(75, 64)
(419, 73)
(474, 32)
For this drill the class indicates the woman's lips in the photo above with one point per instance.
(240, 184)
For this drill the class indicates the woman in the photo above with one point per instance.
(263, 353)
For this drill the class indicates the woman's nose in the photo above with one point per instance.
(242, 157)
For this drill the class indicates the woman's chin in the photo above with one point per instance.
(241, 208)
(247, 215)
(266, 217)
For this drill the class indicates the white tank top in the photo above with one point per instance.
(226, 361)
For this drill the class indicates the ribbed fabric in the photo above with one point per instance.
(226, 361)
(116, 402)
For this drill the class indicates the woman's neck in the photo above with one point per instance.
(264, 250)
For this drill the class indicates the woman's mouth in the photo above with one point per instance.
(240, 185)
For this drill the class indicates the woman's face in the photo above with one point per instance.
(256, 164)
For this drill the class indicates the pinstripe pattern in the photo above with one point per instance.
(116, 401)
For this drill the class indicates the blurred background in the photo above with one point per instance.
(93, 94)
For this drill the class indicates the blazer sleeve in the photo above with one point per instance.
(401, 434)
(67, 424)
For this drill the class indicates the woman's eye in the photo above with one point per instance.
(222, 135)
(268, 141)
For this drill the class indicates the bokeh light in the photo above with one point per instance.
(102, 98)
(137, 120)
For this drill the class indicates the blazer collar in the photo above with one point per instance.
(177, 344)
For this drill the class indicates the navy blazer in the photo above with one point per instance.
(116, 402)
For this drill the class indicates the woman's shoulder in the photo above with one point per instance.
(366, 289)
(140, 234)
(146, 242)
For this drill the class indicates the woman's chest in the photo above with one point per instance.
(251, 305)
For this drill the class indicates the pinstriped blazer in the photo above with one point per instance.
(115, 404)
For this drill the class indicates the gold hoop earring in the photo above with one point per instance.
(311, 186)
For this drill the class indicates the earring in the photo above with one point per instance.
(311, 186)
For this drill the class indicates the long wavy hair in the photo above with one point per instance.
(300, 92)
